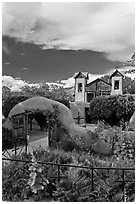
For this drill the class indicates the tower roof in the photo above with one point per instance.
(116, 73)
(82, 75)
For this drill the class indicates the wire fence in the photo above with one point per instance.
(95, 172)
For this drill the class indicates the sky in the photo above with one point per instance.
(52, 41)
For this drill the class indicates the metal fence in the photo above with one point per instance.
(95, 171)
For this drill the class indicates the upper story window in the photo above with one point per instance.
(79, 87)
(116, 84)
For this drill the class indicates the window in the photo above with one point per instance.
(79, 87)
(116, 84)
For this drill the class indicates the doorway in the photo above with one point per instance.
(87, 115)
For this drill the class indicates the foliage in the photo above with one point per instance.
(112, 109)
(5, 92)
(128, 85)
(122, 142)
(7, 139)
(10, 102)
(32, 91)
(65, 102)
(53, 92)
(40, 186)
(14, 181)
(35, 182)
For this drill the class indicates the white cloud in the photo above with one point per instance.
(12, 83)
(15, 84)
(103, 27)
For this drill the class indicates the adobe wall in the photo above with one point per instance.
(79, 106)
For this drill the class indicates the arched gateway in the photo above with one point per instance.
(65, 121)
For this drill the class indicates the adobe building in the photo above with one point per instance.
(84, 92)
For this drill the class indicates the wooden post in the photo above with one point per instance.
(55, 140)
(13, 132)
(15, 147)
(49, 132)
(123, 184)
(58, 173)
(26, 130)
(31, 124)
(92, 179)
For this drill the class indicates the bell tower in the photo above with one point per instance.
(116, 81)
(80, 83)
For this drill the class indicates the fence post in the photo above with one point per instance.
(49, 131)
(58, 173)
(123, 185)
(92, 179)
(26, 131)
(15, 147)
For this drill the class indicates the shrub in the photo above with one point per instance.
(65, 102)
(10, 102)
(123, 145)
(22, 181)
(114, 110)
(7, 139)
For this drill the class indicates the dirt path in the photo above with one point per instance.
(36, 140)
(39, 139)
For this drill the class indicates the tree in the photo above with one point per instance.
(32, 91)
(114, 110)
(10, 102)
(131, 62)
(5, 92)
(128, 85)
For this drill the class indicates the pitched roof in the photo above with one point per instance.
(97, 80)
(115, 73)
(85, 74)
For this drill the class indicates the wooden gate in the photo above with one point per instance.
(20, 123)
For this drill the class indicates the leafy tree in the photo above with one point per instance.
(128, 85)
(10, 102)
(131, 62)
(7, 139)
(53, 92)
(106, 78)
(65, 102)
(5, 93)
(32, 91)
(114, 110)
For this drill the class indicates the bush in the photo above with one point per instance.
(7, 139)
(65, 102)
(114, 110)
(123, 145)
(10, 102)
(24, 181)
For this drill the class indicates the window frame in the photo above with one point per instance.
(80, 87)
(116, 86)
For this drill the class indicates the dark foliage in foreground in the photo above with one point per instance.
(7, 139)
(35, 182)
